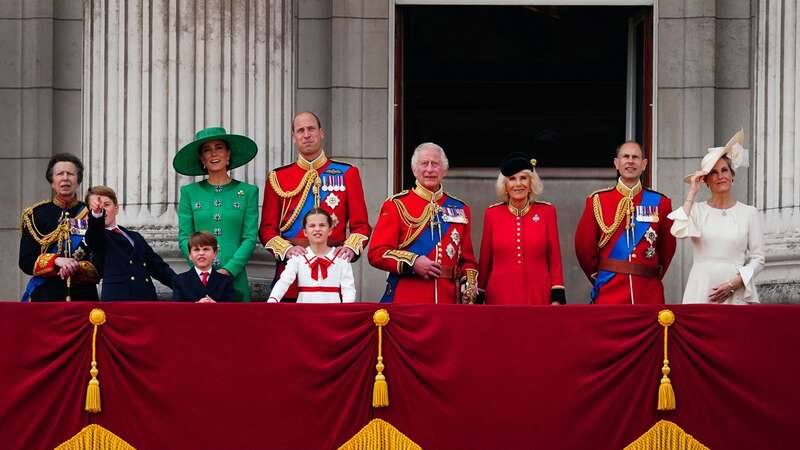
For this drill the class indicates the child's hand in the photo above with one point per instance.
(206, 299)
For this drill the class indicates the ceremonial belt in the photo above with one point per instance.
(38, 280)
(335, 289)
(631, 268)
(448, 273)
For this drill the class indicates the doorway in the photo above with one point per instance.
(565, 84)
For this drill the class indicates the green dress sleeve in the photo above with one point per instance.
(249, 236)
(185, 221)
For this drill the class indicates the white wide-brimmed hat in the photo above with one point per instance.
(733, 150)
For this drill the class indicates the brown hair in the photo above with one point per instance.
(321, 211)
(316, 117)
(630, 141)
(64, 157)
(729, 163)
(201, 239)
(102, 190)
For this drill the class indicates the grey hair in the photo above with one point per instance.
(431, 145)
(537, 187)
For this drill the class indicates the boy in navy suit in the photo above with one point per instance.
(126, 261)
(202, 283)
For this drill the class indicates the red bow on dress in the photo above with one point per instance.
(322, 264)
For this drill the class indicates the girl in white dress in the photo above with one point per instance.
(727, 241)
(321, 277)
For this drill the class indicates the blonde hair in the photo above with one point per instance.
(536, 186)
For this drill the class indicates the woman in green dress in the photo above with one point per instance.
(224, 207)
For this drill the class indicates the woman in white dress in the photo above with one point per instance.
(321, 277)
(727, 242)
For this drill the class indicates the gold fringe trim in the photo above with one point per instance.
(666, 395)
(95, 437)
(380, 390)
(666, 435)
(380, 435)
(97, 317)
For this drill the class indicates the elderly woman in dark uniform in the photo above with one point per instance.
(57, 237)
(220, 205)
(520, 259)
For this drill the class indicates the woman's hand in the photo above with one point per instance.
(696, 181)
(721, 293)
(224, 272)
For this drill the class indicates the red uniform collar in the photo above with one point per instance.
(316, 164)
(428, 195)
(626, 191)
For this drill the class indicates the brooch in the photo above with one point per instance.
(455, 236)
(450, 250)
(240, 193)
(650, 235)
(536, 217)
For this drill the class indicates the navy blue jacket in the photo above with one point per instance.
(189, 288)
(128, 271)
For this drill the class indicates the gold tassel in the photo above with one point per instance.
(380, 391)
(666, 395)
(97, 317)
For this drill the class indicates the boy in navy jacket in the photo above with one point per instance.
(202, 283)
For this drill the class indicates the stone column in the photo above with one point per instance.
(155, 72)
(40, 111)
(776, 165)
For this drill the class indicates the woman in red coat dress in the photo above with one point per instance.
(520, 262)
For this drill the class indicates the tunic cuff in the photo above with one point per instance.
(402, 257)
(558, 294)
(279, 246)
(45, 265)
(355, 242)
(748, 274)
(682, 226)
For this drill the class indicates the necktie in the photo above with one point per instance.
(205, 278)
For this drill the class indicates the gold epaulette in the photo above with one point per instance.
(543, 202)
(495, 205)
(655, 191)
(610, 188)
(398, 195)
(29, 211)
(456, 198)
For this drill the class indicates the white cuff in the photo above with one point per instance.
(682, 225)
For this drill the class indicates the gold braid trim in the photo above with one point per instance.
(414, 223)
(279, 246)
(666, 435)
(95, 437)
(379, 434)
(401, 256)
(472, 284)
(624, 208)
(309, 180)
(355, 242)
(59, 234)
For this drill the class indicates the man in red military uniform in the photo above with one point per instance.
(313, 181)
(422, 238)
(623, 242)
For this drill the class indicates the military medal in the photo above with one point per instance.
(647, 214)
(450, 250)
(332, 200)
(455, 236)
(341, 183)
(650, 235)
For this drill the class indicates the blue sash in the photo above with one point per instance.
(36, 281)
(621, 248)
(297, 226)
(422, 245)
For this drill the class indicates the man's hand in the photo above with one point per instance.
(345, 254)
(296, 250)
(206, 299)
(67, 267)
(426, 268)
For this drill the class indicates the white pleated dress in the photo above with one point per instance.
(335, 286)
(724, 243)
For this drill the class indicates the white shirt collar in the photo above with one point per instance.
(200, 272)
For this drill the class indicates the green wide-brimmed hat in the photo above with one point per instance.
(187, 160)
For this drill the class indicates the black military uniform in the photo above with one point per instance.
(45, 226)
